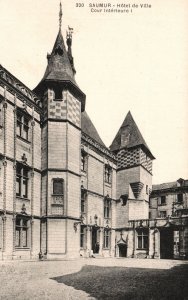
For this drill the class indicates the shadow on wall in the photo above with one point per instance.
(120, 283)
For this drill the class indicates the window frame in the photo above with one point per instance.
(142, 238)
(20, 228)
(57, 180)
(163, 200)
(22, 181)
(106, 238)
(162, 213)
(83, 202)
(180, 195)
(23, 126)
(107, 207)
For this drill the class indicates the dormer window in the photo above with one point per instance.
(59, 51)
(58, 94)
(179, 198)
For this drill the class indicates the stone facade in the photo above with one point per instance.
(63, 193)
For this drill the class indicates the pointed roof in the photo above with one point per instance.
(129, 136)
(89, 129)
(59, 67)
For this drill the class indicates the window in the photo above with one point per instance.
(83, 198)
(142, 235)
(108, 174)
(162, 214)
(163, 200)
(179, 198)
(22, 232)
(58, 94)
(22, 129)
(21, 181)
(107, 204)
(83, 161)
(147, 191)
(82, 236)
(58, 186)
(106, 243)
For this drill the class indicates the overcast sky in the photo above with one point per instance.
(135, 61)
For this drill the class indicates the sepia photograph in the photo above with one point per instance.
(93, 149)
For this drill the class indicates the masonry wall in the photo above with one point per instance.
(15, 149)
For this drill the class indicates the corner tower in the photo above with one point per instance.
(63, 103)
(134, 172)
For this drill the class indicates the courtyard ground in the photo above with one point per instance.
(121, 279)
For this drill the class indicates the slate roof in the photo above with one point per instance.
(89, 129)
(59, 67)
(164, 186)
(134, 136)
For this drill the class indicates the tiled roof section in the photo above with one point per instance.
(89, 129)
(59, 67)
(129, 136)
(164, 186)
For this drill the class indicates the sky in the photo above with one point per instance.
(135, 60)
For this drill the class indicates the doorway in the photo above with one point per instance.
(95, 244)
(166, 243)
(122, 250)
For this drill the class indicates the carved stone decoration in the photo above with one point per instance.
(136, 188)
(23, 210)
(95, 218)
(24, 158)
(24, 105)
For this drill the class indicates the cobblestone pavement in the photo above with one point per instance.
(27, 280)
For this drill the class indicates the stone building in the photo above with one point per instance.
(169, 209)
(63, 193)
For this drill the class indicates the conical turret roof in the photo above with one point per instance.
(129, 136)
(59, 71)
(59, 67)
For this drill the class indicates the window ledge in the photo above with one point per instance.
(142, 249)
(22, 248)
(163, 204)
(22, 139)
(22, 198)
(108, 183)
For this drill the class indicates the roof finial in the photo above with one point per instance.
(60, 15)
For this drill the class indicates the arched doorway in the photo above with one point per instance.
(122, 246)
